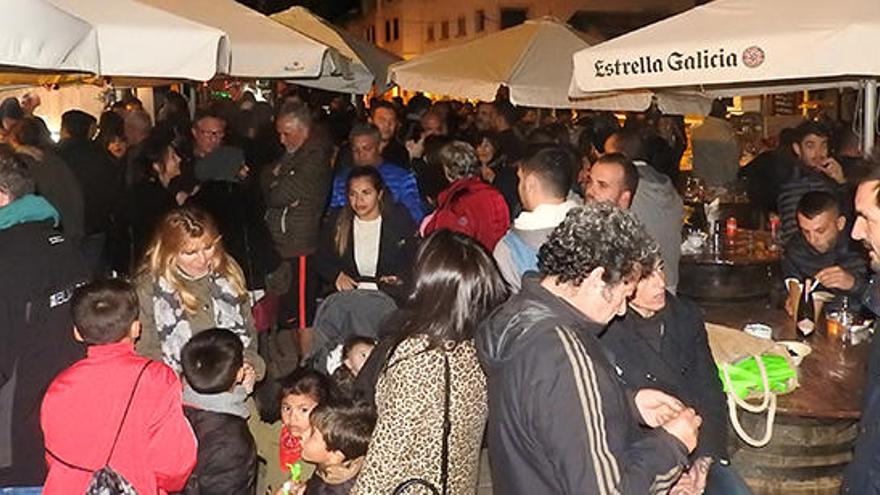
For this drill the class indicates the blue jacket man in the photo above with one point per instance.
(401, 183)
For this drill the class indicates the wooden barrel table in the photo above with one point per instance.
(743, 270)
(816, 425)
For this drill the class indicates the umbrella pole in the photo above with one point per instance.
(869, 115)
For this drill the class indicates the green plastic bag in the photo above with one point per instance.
(745, 377)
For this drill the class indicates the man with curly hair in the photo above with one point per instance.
(560, 422)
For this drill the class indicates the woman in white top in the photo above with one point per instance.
(369, 243)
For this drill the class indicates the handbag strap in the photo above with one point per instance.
(447, 426)
(118, 430)
(444, 442)
(768, 403)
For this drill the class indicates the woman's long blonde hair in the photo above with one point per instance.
(175, 230)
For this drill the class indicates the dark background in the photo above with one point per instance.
(332, 10)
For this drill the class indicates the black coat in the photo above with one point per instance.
(39, 271)
(100, 178)
(670, 352)
(240, 220)
(397, 245)
(147, 202)
(559, 416)
(862, 475)
(227, 458)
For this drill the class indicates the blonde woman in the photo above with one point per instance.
(188, 283)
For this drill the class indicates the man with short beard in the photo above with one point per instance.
(860, 476)
(818, 171)
(822, 251)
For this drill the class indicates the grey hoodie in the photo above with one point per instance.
(659, 207)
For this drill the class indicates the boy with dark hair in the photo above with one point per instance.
(337, 443)
(128, 409)
(217, 385)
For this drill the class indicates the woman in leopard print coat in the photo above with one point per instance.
(456, 286)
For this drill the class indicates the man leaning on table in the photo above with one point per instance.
(822, 250)
(862, 476)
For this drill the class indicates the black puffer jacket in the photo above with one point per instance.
(560, 420)
(227, 459)
(670, 352)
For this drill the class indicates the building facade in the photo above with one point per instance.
(412, 27)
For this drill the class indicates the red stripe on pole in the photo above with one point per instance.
(302, 291)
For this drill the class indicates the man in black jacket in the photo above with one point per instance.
(821, 250)
(39, 271)
(861, 476)
(661, 343)
(99, 178)
(560, 419)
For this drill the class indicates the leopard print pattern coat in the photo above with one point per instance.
(407, 441)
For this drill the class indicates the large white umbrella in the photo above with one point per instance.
(741, 47)
(261, 47)
(118, 38)
(369, 63)
(533, 60)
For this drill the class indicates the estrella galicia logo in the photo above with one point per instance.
(753, 57)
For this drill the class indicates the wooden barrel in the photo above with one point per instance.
(804, 457)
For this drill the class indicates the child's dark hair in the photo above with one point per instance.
(104, 310)
(344, 379)
(345, 425)
(211, 360)
(355, 340)
(306, 381)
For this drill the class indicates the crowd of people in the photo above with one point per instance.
(496, 277)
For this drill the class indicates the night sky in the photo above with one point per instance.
(333, 10)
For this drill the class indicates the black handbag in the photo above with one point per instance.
(444, 449)
(106, 481)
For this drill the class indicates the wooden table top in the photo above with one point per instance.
(832, 377)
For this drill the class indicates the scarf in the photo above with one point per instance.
(226, 402)
(28, 208)
(174, 329)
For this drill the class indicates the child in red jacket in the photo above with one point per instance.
(115, 408)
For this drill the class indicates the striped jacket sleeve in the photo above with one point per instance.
(586, 429)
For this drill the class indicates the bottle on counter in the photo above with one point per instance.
(806, 315)
(717, 246)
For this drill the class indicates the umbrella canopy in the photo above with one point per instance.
(261, 48)
(531, 59)
(123, 38)
(739, 47)
(369, 63)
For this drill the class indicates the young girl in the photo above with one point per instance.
(301, 392)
